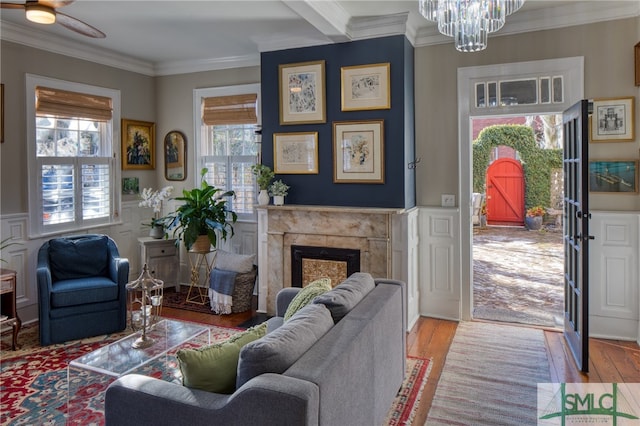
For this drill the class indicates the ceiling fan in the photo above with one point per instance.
(44, 12)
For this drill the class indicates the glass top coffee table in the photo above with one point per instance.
(89, 375)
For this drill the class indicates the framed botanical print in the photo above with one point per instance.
(295, 153)
(302, 93)
(358, 151)
(138, 145)
(365, 87)
(613, 120)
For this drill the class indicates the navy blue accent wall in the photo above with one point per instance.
(398, 190)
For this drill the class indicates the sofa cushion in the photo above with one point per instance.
(213, 368)
(306, 295)
(346, 295)
(79, 257)
(240, 263)
(278, 350)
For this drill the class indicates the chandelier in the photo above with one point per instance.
(468, 21)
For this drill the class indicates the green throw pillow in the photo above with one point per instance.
(306, 295)
(213, 368)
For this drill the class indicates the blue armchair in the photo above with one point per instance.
(81, 288)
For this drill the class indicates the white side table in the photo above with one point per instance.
(162, 258)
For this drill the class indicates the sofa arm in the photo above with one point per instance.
(269, 399)
(283, 298)
(405, 303)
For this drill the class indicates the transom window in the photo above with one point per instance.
(72, 164)
(524, 91)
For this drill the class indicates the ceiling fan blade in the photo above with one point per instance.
(78, 26)
(11, 6)
(56, 3)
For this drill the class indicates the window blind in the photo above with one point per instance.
(234, 109)
(63, 103)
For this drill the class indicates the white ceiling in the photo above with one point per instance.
(170, 37)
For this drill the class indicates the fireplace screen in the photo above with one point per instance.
(309, 263)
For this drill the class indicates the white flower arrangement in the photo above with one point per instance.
(154, 199)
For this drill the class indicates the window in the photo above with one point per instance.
(229, 143)
(72, 181)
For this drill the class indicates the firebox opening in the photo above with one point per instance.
(308, 263)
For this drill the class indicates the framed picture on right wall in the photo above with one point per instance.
(613, 176)
(613, 120)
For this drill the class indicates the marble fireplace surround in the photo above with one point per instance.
(368, 230)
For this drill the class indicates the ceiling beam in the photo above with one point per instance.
(327, 16)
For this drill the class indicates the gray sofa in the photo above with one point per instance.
(349, 375)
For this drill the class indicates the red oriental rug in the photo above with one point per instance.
(33, 381)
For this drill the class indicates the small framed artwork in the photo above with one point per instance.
(302, 93)
(295, 153)
(138, 145)
(613, 176)
(130, 186)
(613, 120)
(365, 87)
(358, 151)
(175, 148)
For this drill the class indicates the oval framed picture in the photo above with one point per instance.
(175, 155)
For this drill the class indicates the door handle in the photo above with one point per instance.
(580, 215)
(580, 237)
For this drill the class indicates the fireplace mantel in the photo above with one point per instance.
(376, 232)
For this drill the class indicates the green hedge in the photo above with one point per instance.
(537, 163)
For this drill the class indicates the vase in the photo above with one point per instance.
(157, 231)
(278, 200)
(263, 197)
(533, 223)
(201, 245)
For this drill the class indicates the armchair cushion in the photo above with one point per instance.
(78, 258)
(89, 290)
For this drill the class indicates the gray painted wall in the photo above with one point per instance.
(607, 48)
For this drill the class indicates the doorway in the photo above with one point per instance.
(473, 83)
(518, 273)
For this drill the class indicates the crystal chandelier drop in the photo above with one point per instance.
(469, 22)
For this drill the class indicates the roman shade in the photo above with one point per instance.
(233, 109)
(63, 103)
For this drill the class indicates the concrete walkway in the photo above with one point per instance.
(517, 275)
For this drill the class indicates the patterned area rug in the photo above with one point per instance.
(33, 381)
(178, 300)
(490, 376)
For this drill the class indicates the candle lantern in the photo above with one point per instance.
(145, 305)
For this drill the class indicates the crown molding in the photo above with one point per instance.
(378, 26)
(64, 46)
(186, 67)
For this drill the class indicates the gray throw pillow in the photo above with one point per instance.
(240, 263)
(281, 348)
(346, 295)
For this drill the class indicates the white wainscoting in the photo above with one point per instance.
(439, 245)
(23, 257)
(614, 275)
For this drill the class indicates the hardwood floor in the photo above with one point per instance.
(610, 360)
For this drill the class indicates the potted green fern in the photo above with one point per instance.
(203, 214)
